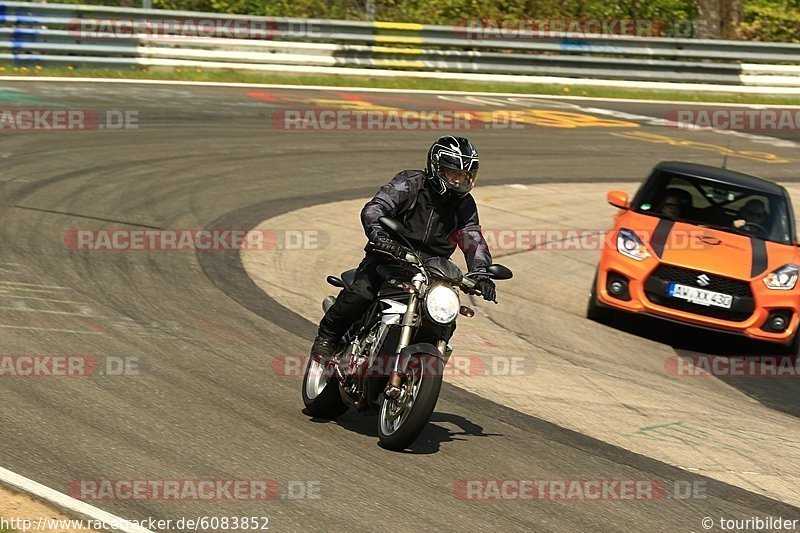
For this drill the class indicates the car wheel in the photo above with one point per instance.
(793, 347)
(594, 311)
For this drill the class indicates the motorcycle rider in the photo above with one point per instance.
(438, 214)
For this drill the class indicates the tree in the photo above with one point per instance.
(718, 18)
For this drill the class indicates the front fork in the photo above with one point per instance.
(407, 330)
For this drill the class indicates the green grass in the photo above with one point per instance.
(396, 83)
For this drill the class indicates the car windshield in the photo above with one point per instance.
(720, 206)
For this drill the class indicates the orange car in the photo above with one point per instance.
(703, 246)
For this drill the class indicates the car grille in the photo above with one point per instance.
(686, 276)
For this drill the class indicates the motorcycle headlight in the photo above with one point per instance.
(783, 278)
(630, 245)
(442, 304)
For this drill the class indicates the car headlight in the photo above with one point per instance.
(630, 245)
(442, 304)
(783, 278)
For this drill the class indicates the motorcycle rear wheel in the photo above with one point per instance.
(321, 392)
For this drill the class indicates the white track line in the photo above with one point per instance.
(32, 328)
(361, 89)
(15, 283)
(67, 504)
(4, 288)
(46, 311)
(20, 297)
(659, 121)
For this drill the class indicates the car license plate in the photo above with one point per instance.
(699, 296)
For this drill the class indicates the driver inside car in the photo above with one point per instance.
(676, 203)
(752, 212)
(438, 213)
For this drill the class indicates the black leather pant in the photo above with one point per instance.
(352, 303)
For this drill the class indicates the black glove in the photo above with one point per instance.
(487, 288)
(387, 245)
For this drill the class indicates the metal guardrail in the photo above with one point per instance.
(113, 36)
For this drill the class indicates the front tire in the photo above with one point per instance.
(594, 311)
(400, 421)
(793, 347)
(321, 392)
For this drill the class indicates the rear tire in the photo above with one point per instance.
(321, 392)
(412, 424)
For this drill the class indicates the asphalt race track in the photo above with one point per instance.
(203, 403)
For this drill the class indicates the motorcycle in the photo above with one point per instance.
(391, 361)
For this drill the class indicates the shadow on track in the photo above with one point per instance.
(431, 438)
(778, 393)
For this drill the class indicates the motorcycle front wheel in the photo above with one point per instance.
(401, 420)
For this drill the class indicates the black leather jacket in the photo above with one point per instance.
(433, 225)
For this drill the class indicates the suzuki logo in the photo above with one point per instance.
(703, 280)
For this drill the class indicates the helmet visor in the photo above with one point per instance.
(460, 180)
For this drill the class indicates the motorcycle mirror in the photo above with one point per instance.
(500, 272)
(395, 229)
(391, 225)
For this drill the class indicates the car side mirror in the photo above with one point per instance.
(618, 199)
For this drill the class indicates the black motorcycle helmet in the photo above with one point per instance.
(452, 166)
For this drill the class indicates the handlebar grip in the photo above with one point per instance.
(404, 255)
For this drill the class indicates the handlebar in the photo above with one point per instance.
(408, 257)
(467, 284)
